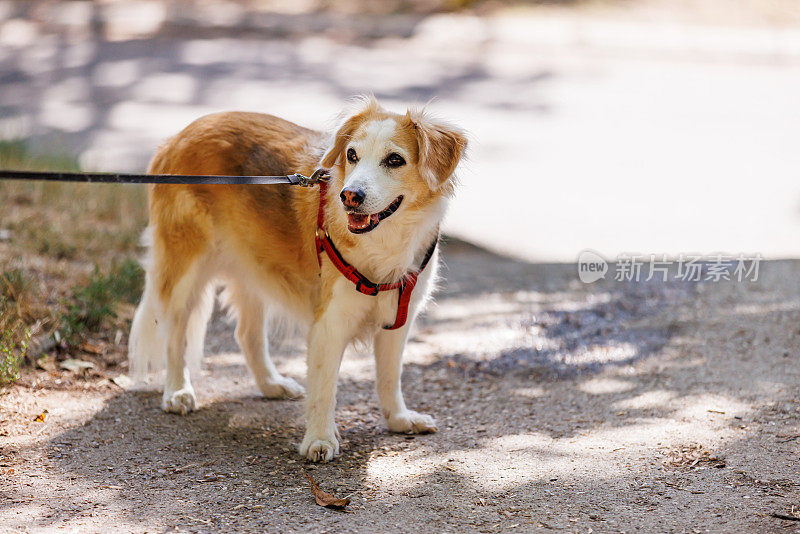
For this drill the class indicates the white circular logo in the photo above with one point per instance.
(591, 266)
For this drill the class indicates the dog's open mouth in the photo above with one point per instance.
(360, 223)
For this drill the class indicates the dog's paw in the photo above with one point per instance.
(282, 388)
(319, 450)
(410, 422)
(181, 402)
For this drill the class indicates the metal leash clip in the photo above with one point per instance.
(319, 175)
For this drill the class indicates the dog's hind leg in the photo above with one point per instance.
(251, 333)
(182, 265)
(185, 316)
(147, 346)
(197, 326)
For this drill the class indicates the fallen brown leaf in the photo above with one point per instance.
(41, 417)
(326, 499)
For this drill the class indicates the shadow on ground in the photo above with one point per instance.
(569, 431)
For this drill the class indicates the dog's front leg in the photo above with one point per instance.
(389, 345)
(328, 337)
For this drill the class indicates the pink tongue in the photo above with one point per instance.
(357, 219)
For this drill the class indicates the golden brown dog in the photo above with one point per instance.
(391, 179)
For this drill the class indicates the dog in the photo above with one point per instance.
(274, 250)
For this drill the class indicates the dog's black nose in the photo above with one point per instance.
(352, 198)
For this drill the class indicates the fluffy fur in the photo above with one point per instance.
(258, 241)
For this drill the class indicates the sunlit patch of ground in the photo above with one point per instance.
(697, 432)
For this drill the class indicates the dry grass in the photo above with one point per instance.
(16, 313)
(66, 250)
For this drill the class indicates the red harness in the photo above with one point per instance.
(363, 284)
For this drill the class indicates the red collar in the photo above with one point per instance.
(363, 284)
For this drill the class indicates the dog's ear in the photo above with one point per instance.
(335, 153)
(441, 147)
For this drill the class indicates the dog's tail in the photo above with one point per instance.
(147, 346)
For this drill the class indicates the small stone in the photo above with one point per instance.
(76, 366)
(123, 381)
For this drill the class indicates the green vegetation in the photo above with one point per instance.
(93, 304)
(52, 235)
(17, 154)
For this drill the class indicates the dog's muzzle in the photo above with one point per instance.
(360, 223)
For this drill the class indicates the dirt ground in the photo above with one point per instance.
(611, 407)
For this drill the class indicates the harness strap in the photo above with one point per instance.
(364, 285)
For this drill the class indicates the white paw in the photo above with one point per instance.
(410, 422)
(282, 388)
(181, 402)
(319, 450)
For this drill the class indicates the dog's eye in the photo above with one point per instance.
(352, 157)
(395, 160)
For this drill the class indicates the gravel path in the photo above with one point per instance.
(608, 407)
(562, 406)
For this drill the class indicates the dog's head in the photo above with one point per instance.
(388, 162)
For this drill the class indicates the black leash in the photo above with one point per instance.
(320, 175)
